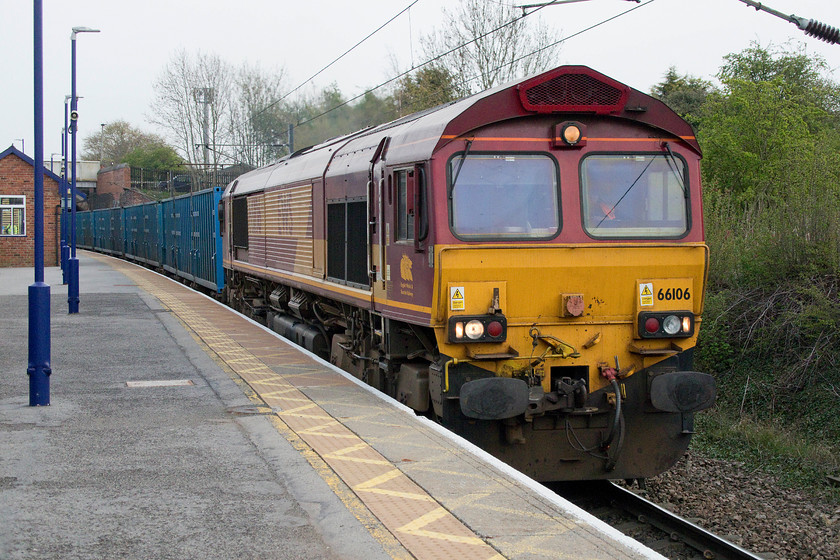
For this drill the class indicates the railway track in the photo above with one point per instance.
(667, 533)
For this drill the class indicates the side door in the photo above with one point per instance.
(377, 220)
(408, 274)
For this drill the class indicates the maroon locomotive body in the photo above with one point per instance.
(526, 265)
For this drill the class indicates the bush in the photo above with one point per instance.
(771, 326)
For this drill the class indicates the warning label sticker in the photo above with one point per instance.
(646, 294)
(456, 298)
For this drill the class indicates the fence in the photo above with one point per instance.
(175, 181)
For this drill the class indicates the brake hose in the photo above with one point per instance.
(611, 374)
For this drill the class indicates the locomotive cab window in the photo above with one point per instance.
(634, 196)
(500, 196)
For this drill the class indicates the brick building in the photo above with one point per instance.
(114, 188)
(17, 212)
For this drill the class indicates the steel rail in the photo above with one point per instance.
(711, 546)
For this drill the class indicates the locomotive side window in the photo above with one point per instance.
(240, 222)
(634, 196)
(405, 202)
(504, 196)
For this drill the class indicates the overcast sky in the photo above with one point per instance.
(117, 67)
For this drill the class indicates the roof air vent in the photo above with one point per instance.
(574, 89)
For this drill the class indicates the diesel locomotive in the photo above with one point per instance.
(525, 265)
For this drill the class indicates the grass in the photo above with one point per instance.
(155, 194)
(798, 462)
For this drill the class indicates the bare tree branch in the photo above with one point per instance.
(496, 39)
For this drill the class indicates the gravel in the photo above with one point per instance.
(749, 509)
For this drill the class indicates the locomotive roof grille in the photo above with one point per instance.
(573, 92)
(573, 89)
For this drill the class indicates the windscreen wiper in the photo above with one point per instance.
(460, 166)
(672, 163)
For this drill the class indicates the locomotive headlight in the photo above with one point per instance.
(478, 328)
(671, 324)
(571, 134)
(474, 329)
(686, 324)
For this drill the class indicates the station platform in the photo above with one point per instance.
(181, 429)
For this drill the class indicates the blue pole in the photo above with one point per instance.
(65, 248)
(39, 293)
(73, 262)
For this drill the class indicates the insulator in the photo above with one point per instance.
(822, 31)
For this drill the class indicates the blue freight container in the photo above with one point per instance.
(191, 238)
(84, 230)
(142, 233)
(180, 234)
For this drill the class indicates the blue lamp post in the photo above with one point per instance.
(39, 369)
(65, 198)
(73, 262)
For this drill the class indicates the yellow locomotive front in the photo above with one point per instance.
(568, 298)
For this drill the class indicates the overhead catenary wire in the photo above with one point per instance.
(438, 57)
(421, 65)
(582, 31)
(342, 55)
(557, 3)
(811, 27)
(433, 59)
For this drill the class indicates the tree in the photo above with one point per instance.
(430, 86)
(259, 121)
(803, 75)
(117, 140)
(771, 168)
(491, 43)
(320, 116)
(372, 110)
(189, 91)
(154, 156)
(246, 119)
(772, 130)
(329, 114)
(684, 94)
